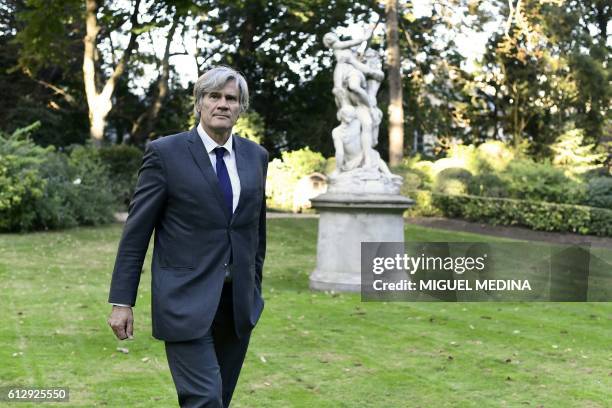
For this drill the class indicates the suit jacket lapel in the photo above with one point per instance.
(200, 155)
(244, 168)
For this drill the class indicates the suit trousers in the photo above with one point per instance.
(205, 370)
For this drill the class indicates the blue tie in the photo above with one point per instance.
(224, 180)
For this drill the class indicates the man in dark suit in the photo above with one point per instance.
(202, 191)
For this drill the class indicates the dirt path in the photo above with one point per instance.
(510, 232)
(475, 227)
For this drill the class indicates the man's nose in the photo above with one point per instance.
(223, 103)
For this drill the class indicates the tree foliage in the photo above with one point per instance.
(545, 67)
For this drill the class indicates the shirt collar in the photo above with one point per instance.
(210, 144)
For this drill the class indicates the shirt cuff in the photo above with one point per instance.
(120, 304)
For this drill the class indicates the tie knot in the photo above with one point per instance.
(219, 152)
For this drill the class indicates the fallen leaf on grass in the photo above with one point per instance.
(123, 350)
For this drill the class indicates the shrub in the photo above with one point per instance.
(122, 163)
(55, 209)
(425, 168)
(423, 204)
(528, 180)
(461, 156)
(21, 185)
(413, 180)
(493, 155)
(452, 180)
(92, 198)
(573, 155)
(284, 173)
(599, 192)
(531, 214)
(44, 189)
(487, 185)
(330, 165)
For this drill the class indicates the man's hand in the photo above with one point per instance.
(121, 320)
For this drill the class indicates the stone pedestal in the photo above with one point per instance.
(347, 220)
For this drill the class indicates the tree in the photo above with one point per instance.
(99, 100)
(144, 124)
(40, 70)
(396, 109)
(544, 69)
(278, 47)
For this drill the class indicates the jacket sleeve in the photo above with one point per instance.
(261, 249)
(144, 211)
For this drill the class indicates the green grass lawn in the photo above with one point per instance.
(310, 349)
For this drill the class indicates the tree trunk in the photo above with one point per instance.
(396, 110)
(100, 103)
(145, 123)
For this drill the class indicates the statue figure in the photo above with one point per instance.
(373, 84)
(356, 82)
(347, 142)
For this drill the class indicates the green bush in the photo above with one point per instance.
(487, 185)
(528, 180)
(571, 153)
(599, 192)
(452, 180)
(461, 156)
(416, 176)
(21, 184)
(493, 156)
(423, 204)
(122, 163)
(284, 173)
(413, 180)
(55, 209)
(93, 198)
(44, 189)
(532, 214)
(494, 170)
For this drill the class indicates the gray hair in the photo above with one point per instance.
(214, 80)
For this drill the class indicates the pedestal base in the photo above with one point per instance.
(347, 220)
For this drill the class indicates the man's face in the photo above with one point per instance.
(220, 109)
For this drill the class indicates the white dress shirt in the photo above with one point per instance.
(230, 162)
(229, 158)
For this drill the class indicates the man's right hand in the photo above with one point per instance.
(121, 320)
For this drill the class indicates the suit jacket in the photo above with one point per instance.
(178, 196)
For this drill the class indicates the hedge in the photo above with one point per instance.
(536, 215)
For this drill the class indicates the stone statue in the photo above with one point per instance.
(362, 202)
(359, 168)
